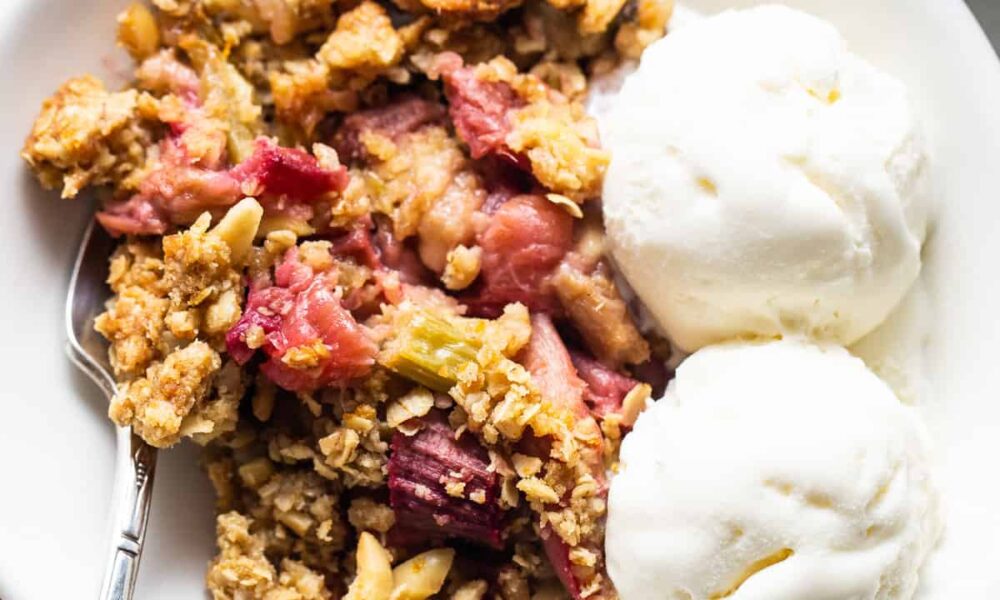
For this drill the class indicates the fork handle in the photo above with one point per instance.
(135, 463)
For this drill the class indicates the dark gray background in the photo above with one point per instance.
(988, 12)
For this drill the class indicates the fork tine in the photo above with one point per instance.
(84, 300)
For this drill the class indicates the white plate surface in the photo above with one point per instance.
(56, 445)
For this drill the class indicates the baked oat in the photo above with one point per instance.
(362, 264)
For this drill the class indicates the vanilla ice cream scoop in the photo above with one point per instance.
(764, 181)
(772, 471)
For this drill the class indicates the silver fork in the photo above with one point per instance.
(135, 460)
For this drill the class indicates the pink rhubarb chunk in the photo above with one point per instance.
(302, 310)
(284, 179)
(522, 244)
(421, 465)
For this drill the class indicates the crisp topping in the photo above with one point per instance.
(86, 135)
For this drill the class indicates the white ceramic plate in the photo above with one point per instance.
(56, 444)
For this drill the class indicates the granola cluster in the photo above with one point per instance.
(362, 264)
(167, 324)
(86, 135)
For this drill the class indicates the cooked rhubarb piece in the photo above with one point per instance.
(162, 72)
(522, 244)
(252, 321)
(273, 170)
(500, 112)
(177, 192)
(606, 388)
(392, 121)
(552, 371)
(441, 487)
(310, 340)
(399, 256)
(479, 108)
(551, 368)
(557, 552)
(357, 245)
(580, 581)
(331, 347)
(430, 350)
(376, 247)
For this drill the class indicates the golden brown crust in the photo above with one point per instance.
(283, 20)
(134, 321)
(561, 142)
(166, 324)
(242, 570)
(649, 25)
(363, 41)
(302, 94)
(476, 10)
(85, 136)
(462, 265)
(155, 405)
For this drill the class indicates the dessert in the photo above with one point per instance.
(764, 180)
(361, 261)
(796, 474)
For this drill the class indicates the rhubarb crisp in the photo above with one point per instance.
(361, 262)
